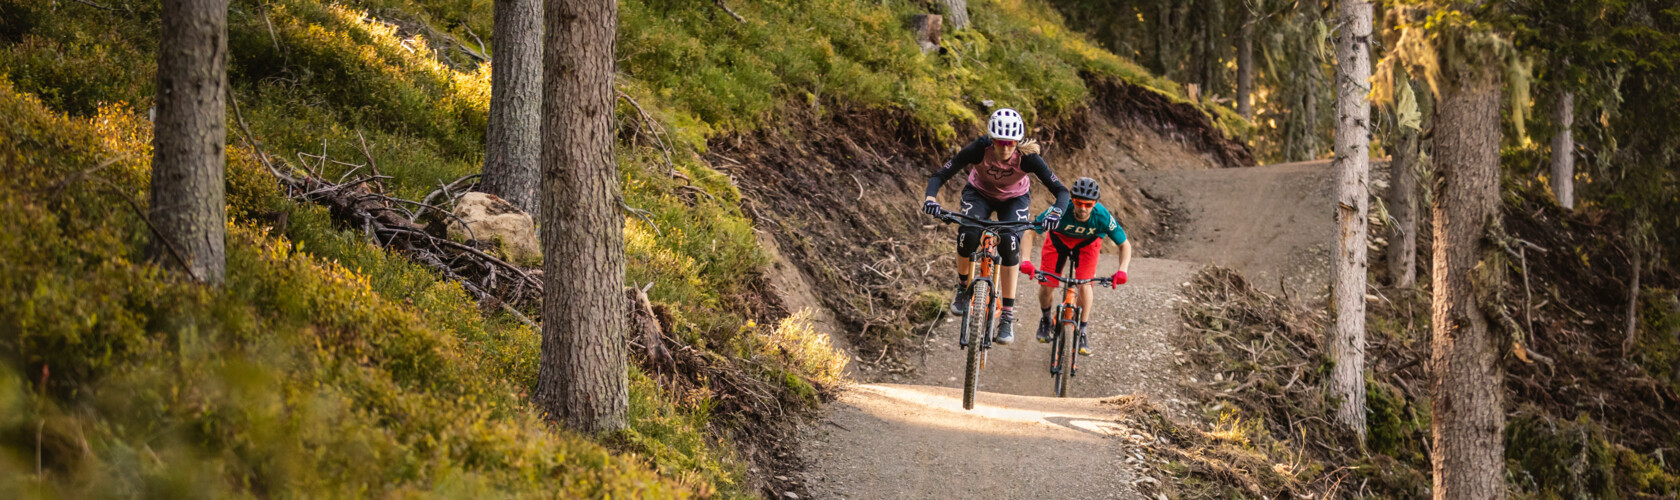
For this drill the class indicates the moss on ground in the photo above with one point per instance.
(326, 367)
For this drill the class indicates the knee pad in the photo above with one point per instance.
(968, 240)
(1009, 249)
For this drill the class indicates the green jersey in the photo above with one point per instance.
(1101, 223)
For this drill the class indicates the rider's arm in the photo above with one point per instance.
(1118, 235)
(974, 153)
(1035, 165)
(1126, 256)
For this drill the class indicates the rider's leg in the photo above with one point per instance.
(968, 240)
(1006, 281)
(1051, 260)
(1084, 302)
(1009, 256)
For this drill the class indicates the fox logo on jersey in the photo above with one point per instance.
(997, 172)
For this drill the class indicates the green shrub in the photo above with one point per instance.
(298, 377)
(1549, 456)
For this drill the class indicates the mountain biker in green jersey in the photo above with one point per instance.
(997, 184)
(1081, 234)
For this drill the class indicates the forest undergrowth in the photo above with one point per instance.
(1579, 399)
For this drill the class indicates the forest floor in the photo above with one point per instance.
(884, 440)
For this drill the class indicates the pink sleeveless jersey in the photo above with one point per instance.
(999, 178)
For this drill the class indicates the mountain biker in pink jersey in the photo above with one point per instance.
(1081, 235)
(997, 184)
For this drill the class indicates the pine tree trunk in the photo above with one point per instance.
(956, 13)
(1212, 60)
(189, 140)
(1305, 145)
(1466, 379)
(1563, 151)
(1632, 324)
(583, 380)
(1353, 113)
(1245, 65)
(1403, 206)
(513, 145)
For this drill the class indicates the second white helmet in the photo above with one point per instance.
(1006, 124)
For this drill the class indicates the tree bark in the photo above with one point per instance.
(582, 382)
(513, 143)
(1213, 48)
(1632, 324)
(1563, 151)
(189, 140)
(1353, 143)
(956, 13)
(1403, 206)
(1245, 64)
(1467, 381)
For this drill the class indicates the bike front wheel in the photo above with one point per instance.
(975, 322)
(1066, 348)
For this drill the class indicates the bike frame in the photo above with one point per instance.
(1067, 313)
(985, 258)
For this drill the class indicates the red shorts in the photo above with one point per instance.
(1052, 260)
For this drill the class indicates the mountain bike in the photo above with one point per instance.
(983, 296)
(1064, 347)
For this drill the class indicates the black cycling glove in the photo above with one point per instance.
(1052, 219)
(931, 208)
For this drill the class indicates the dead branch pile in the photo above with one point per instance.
(691, 373)
(1265, 355)
(1569, 293)
(358, 201)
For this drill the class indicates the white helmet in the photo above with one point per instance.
(1006, 124)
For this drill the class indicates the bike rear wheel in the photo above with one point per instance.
(1066, 349)
(975, 322)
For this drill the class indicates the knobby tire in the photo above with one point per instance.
(1066, 348)
(975, 322)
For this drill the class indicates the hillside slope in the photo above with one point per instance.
(330, 367)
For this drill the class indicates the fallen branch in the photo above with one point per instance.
(645, 215)
(732, 13)
(90, 3)
(654, 131)
(167, 243)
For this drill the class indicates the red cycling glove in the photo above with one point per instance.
(1119, 278)
(1027, 268)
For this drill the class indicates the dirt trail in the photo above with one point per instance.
(1267, 222)
(915, 441)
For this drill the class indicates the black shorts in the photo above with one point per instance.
(978, 206)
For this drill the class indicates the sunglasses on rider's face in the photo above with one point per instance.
(1084, 203)
(1004, 143)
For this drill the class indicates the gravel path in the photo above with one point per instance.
(916, 441)
(1268, 222)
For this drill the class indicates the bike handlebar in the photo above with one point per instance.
(965, 220)
(1107, 281)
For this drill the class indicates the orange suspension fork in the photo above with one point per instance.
(1067, 302)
